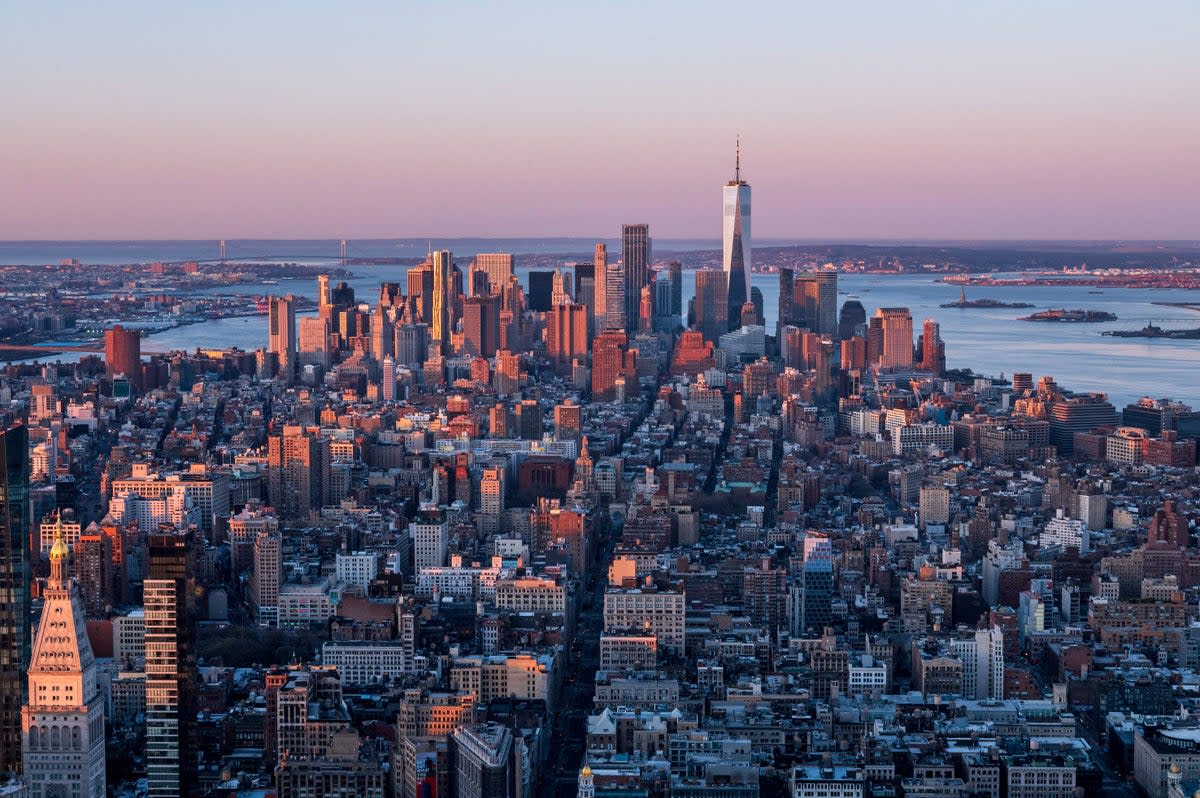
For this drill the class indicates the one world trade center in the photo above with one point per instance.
(736, 237)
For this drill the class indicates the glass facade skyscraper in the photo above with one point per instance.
(14, 591)
(736, 251)
(635, 259)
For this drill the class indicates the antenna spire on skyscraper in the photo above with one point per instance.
(737, 163)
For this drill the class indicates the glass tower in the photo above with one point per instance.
(736, 257)
(14, 591)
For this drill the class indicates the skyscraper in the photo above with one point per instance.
(282, 330)
(420, 289)
(541, 290)
(63, 694)
(324, 298)
(585, 289)
(560, 290)
(614, 296)
(852, 317)
(14, 590)
(498, 267)
(481, 326)
(635, 258)
(443, 300)
(933, 349)
(123, 354)
(675, 272)
(600, 295)
(387, 379)
(382, 335)
(787, 313)
(297, 471)
(710, 308)
(814, 300)
(170, 694)
(817, 588)
(736, 257)
(566, 334)
(314, 342)
(897, 343)
(612, 360)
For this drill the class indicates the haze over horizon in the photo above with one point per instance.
(932, 121)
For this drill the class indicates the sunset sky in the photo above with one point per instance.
(858, 119)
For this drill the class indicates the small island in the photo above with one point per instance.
(963, 302)
(1075, 316)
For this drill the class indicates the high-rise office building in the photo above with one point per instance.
(664, 318)
(736, 260)
(1078, 414)
(560, 291)
(636, 259)
(123, 354)
(324, 297)
(853, 316)
(709, 308)
(342, 296)
(567, 333)
(897, 342)
(412, 345)
(481, 326)
(14, 590)
(787, 312)
(383, 337)
(541, 291)
(63, 695)
(314, 342)
(675, 272)
(390, 295)
(814, 302)
(497, 266)
(282, 335)
(420, 290)
(443, 301)
(585, 289)
(170, 666)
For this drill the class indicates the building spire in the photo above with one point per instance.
(737, 162)
(59, 553)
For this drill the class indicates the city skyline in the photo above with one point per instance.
(318, 479)
(911, 123)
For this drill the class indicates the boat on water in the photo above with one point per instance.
(1151, 331)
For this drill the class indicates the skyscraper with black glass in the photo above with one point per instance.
(14, 590)
(635, 259)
